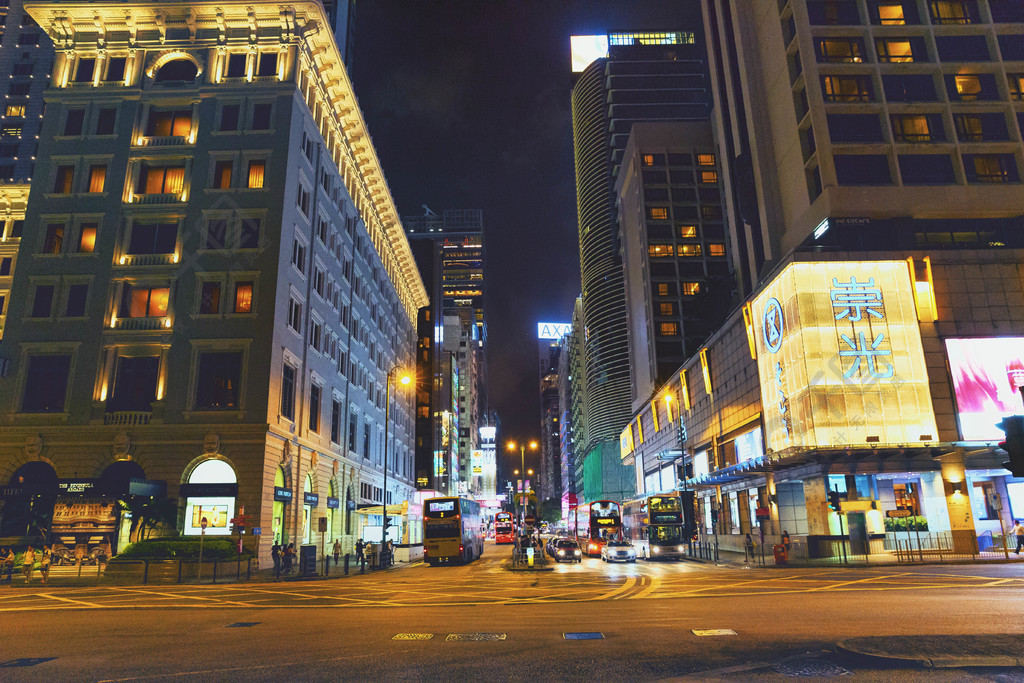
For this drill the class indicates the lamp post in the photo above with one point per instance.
(404, 379)
(522, 463)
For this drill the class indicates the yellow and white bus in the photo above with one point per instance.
(453, 530)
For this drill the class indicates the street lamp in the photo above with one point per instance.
(405, 379)
(522, 456)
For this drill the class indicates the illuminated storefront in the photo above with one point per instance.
(210, 494)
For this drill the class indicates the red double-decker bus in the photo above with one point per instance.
(596, 524)
(504, 528)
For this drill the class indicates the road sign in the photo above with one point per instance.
(995, 501)
(323, 524)
(898, 513)
(203, 523)
(241, 519)
(257, 531)
(530, 520)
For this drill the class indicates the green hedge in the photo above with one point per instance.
(184, 548)
(918, 523)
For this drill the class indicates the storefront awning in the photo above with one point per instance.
(393, 510)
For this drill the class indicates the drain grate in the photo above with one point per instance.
(242, 624)
(476, 636)
(584, 635)
(413, 636)
(25, 661)
(820, 668)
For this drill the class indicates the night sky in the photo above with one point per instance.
(468, 105)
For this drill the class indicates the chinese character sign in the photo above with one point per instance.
(840, 357)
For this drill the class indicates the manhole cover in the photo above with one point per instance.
(413, 636)
(25, 661)
(586, 635)
(242, 624)
(475, 636)
(713, 632)
(811, 668)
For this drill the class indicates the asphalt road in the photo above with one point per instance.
(480, 621)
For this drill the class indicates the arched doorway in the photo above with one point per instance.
(212, 489)
(280, 533)
(307, 511)
(28, 511)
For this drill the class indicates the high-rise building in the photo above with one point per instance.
(213, 283)
(628, 78)
(575, 397)
(26, 59)
(549, 473)
(867, 124)
(342, 17)
(678, 282)
(566, 441)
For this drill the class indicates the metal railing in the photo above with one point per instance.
(153, 572)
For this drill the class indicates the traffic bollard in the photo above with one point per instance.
(346, 564)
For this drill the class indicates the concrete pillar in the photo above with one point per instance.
(958, 504)
(773, 526)
(816, 501)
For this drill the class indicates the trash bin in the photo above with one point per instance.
(781, 555)
(307, 560)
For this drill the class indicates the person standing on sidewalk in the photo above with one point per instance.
(28, 564)
(360, 547)
(44, 563)
(289, 557)
(275, 554)
(1018, 532)
(337, 552)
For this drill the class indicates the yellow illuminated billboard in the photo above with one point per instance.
(840, 358)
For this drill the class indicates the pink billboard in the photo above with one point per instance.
(987, 378)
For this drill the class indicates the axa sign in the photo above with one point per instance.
(553, 330)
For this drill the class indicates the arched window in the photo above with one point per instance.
(212, 488)
(307, 511)
(177, 70)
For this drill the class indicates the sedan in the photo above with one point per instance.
(618, 550)
(566, 549)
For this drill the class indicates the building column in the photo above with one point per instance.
(816, 501)
(774, 525)
(958, 503)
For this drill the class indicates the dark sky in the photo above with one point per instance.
(467, 102)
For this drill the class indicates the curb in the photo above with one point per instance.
(929, 662)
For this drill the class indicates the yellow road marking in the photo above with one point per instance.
(62, 599)
(833, 586)
(181, 596)
(655, 585)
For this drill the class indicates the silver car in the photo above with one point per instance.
(618, 550)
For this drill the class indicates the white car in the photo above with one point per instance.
(618, 550)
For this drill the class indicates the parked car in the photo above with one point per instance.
(566, 549)
(618, 550)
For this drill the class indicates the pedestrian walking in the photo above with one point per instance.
(275, 554)
(360, 548)
(1018, 531)
(748, 548)
(289, 557)
(44, 563)
(28, 564)
(337, 552)
(7, 563)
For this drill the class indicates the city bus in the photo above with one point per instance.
(659, 526)
(453, 530)
(504, 528)
(597, 523)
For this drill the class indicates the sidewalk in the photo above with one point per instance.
(938, 651)
(333, 572)
(735, 559)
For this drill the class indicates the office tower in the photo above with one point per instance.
(867, 125)
(26, 58)
(566, 442)
(575, 397)
(678, 282)
(549, 474)
(657, 76)
(213, 284)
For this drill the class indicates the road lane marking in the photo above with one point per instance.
(184, 596)
(713, 632)
(63, 599)
(655, 585)
(629, 583)
(413, 636)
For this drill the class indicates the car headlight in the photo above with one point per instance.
(680, 549)
(655, 549)
(577, 552)
(561, 552)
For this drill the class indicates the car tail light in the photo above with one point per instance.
(461, 548)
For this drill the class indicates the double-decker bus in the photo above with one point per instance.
(504, 528)
(453, 530)
(596, 524)
(659, 526)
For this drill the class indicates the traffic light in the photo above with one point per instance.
(833, 501)
(1013, 427)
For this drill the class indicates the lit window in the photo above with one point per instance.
(968, 86)
(691, 288)
(689, 250)
(911, 128)
(163, 124)
(662, 289)
(838, 50)
(891, 14)
(209, 300)
(709, 176)
(222, 175)
(951, 12)
(847, 88)
(64, 180)
(666, 309)
(687, 231)
(144, 302)
(15, 110)
(659, 250)
(1016, 86)
(705, 159)
(256, 171)
(97, 178)
(243, 297)
(87, 238)
(163, 180)
(657, 213)
(668, 329)
(894, 51)
(54, 240)
(648, 160)
(716, 250)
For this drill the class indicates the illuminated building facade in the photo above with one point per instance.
(210, 291)
(566, 440)
(632, 77)
(678, 283)
(26, 58)
(13, 199)
(549, 474)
